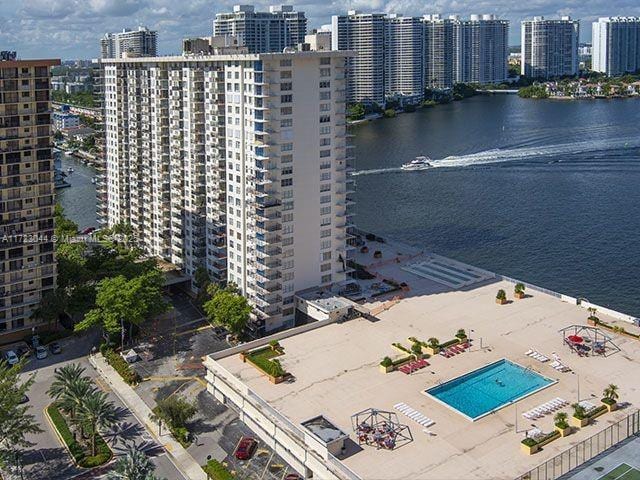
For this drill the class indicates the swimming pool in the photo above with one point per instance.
(490, 388)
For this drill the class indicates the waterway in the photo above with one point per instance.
(78, 200)
(542, 190)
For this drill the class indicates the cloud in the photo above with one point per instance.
(73, 28)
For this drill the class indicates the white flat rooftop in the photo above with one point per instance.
(336, 375)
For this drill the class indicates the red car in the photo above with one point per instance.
(245, 448)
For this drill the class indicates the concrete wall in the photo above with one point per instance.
(285, 438)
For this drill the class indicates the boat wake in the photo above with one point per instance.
(499, 155)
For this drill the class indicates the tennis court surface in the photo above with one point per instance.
(622, 472)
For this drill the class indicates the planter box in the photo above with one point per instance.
(563, 431)
(519, 295)
(529, 450)
(501, 301)
(388, 369)
(612, 407)
(577, 422)
(243, 357)
(433, 350)
(403, 352)
(276, 380)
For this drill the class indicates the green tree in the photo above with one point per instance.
(228, 308)
(356, 111)
(611, 393)
(97, 413)
(63, 380)
(120, 300)
(15, 421)
(134, 465)
(175, 411)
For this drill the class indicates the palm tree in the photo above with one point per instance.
(433, 342)
(72, 399)
(134, 465)
(97, 413)
(560, 419)
(63, 378)
(611, 392)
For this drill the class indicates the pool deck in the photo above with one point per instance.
(336, 375)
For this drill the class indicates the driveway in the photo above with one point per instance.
(48, 459)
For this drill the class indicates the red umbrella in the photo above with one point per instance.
(575, 338)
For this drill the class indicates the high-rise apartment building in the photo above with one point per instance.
(403, 59)
(550, 47)
(129, 43)
(263, 32)
(480, 49)
(616, 45)
(437, 52)
(27, 264)
(362, 33)
(237, 163)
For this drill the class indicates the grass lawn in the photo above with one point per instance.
(264, 354)
(622, 472)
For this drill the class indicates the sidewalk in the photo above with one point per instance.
(179, 456)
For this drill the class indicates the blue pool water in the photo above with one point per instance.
(489, 388)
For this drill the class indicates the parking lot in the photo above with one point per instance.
(170, 350)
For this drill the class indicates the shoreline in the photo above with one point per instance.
(581, 302)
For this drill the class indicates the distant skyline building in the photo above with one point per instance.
(263, 32)
(363, 33)
(403, 58)
(550, 47)
(129, 43)
(319, 40)
(438, 52)
(616, 45)
(27, 197)
(480, 49)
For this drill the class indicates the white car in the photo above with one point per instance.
(41, 352)
(11, 357)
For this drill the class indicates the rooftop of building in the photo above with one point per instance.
(335, 370)
(230, 57)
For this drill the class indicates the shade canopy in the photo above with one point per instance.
(575, 338)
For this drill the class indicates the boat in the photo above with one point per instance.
(69, 152)
(93, 180)
(70, 169)
(418, 163)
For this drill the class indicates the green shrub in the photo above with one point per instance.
(77, 452)
(274, 344)
(449, 343)
(529, 442)
(501, 295)
(386, 362)
(416, 348)
(596, 411)
(402, 360)
(399, 346)
(181, 434)
(270, 367)
(217, 471)
(120, 365)
(389, 113)
(461, 334)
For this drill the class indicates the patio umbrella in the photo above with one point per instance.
(575, 338)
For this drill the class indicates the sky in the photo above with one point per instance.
(71, 29)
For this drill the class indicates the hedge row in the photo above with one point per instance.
(78, 453)
(217, 471)
(121, 366)
(449, 343)
(270, 367)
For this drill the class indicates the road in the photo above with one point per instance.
(48, 459)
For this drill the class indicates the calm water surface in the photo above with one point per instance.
(545, 191)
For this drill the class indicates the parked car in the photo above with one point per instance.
(35, 341)
(245, 448)
(41, 352)
(24, 399)
(55, 348)
(293, 476)
(11, 357)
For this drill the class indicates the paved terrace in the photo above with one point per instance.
(336, 374)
